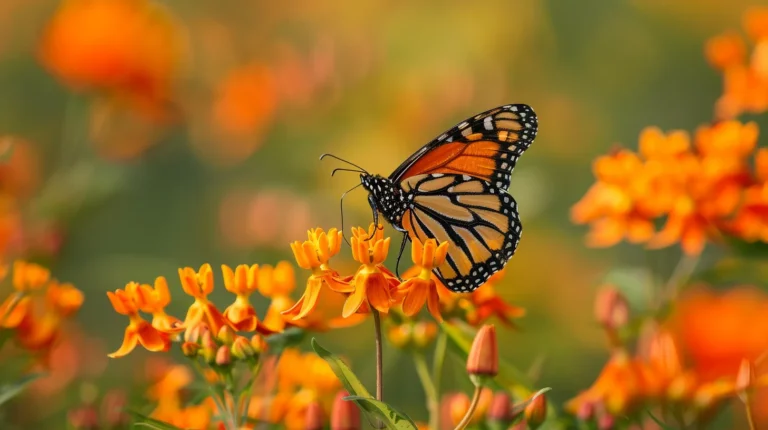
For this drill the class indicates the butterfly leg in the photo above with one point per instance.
(402, 248)
(375, 210)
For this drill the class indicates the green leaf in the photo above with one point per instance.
(367, 404)
(145, 421)
(9, 391)
(658, 421)
(393, 418)
(746, 249)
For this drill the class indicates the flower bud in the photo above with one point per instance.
(424, 333)
(500, 410)
(345, 415)
(209, 347)
(226, 335)
(223, 356)
(259, 344)
(190, 349)
(83, 418)
(242, 349)
(313, 420)
(611, 308)
(744, 380)
(483, 357)
(400, 335)
(458, 405)
(536, 412)
(195, 332)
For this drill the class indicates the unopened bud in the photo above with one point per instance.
(424, 333)
(400, 335)
(345, 415)
(606, 422)
(223, 356)
(483, 357)
(209, 347)
(190, 349)
(226, 335)
(536, 412)
(744, 380)
(258, 343)
(586, 411)
(313, 420)
(83, 418)
(500, 410)
(242, 349)
(458, 405)
(195, 332)
(611, 308)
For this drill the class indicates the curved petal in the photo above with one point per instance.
(353, 302)
(377, 291)
(161, 291)
(167, 324)
(417, 249)
(150, 338)
(416, 297)
(309, 299)
(337, 284)
(298, 254)
(433, 301)
(229, 278)
(129, 343)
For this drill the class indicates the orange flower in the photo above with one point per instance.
(726, 50)
(372, 282)
(139, 330)
(63, 299)
(29, 276)
(242, 282)
(422, 288)
(80, 45)
(756, 22)
(314, 254)
(154, 301)
(198, 285)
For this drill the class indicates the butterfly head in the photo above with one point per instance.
(385, 197)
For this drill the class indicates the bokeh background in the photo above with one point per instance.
(145, 142)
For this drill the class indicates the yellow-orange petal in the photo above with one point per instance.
(14, 309)
(167, 324)
(417, 250)
(308, 300)
(356, 299)
(130, 340)
(433, 303)
(162, 294)
(122, 302)
(416, 296)
(152, 339)
(377, 292)
(242, 317)
(64, 299)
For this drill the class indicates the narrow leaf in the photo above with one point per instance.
(367, 404)
(658, 421)
(145, 421)
(9, 391)
(393, 418)
(518, 408)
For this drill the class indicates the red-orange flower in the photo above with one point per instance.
(422, 288)
(139, 330)
(198, 285)
(153, 301)
(314, 254)
(80, 45)
(372, 282)
(242, 282)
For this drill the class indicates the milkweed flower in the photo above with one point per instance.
(243, 281)
(314, 254)
(139, 330)
(198, 285)
(422, 288)
(373, 283)
(153, 301)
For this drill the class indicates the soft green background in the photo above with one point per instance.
(596, 72)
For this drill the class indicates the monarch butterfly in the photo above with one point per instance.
(455, 189)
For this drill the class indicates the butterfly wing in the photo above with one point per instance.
(485, 146)
(478, 219)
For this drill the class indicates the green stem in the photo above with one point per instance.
(245, 397)
(441, 348)
(750, 417)
(221, 402)
(680, 275)
(472, 407)
(379, 356)
(430, 390)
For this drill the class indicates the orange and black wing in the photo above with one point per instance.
(485, 146)
(478, 219)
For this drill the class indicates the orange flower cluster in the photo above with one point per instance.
(745, 80)
(205, 326)
(297, 391)
(702, 187)
(494, 410)
(655, 376)
(375, 286)
(167, 392)
(38, 307)
(137, 63)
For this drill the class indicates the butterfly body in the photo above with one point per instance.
(454, 189)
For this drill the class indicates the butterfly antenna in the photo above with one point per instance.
(340, 169)
(341, 204)
(344, 161)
